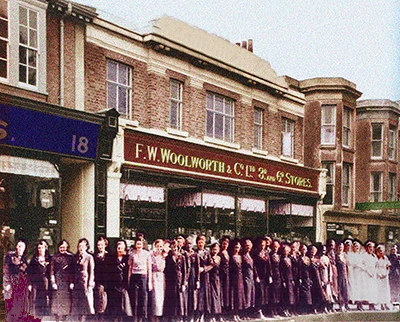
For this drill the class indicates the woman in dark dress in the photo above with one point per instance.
(394, 274)
(61, 276)
(215, 283)
(238, 300)
(288, 293)
(204, 305)
(175, 270)
(118, 304)
(343, 280)
(194, 278)
(224, 273)
(15, 284)
(249, 276)
(305, 299)
(262, 266)
(100, 276)
(317, 292)
(39, 279)
(82, 295)
(276, 286)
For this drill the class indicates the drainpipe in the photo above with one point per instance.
(62, 73)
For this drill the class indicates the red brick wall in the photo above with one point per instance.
(312, 134)
(363, 157)
(69, 64)
(53, 59)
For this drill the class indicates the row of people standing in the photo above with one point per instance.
(177, 281)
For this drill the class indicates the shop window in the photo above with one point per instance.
(346, 184)
(23, 44)
(330, 182)
(347, 124)
(377, 140)
(119, 88)
(287, 137)
(328, 124)
(220, 117)
(258, 128)
(175, 104)
(392, 188)
(392, 144)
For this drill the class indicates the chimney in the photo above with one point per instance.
(244, 44)
(250, 45)
(238, 44)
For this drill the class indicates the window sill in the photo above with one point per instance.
(289, 159)
(235, 146)
(177, 132)
(259, 152)
(128, 123)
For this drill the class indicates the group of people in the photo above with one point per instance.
(185, 279)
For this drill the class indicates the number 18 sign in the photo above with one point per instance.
(45, 132)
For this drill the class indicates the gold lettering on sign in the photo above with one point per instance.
(3, 131)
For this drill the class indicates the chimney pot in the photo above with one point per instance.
(250, 45)
(244, 44)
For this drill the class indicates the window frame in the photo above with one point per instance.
(6, 41)
(226, 102)
(347, 127)
(13, 45)
(288, 126)
(392, 187)
(330, 181)
(118, 85)
(392, 144)
(258, 128)
(376, 194)
(379, 141)
(346, 184)
(179, 103)
(325, 125)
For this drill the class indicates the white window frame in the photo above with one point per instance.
(346, 184)
(175, 104)
(347, 123)
(376, 187)
(328, 126)
(5, 41)
(287, 137)
(120, 86)
(392, 187)
(226, 116)
(392, 144)
(13, 78)
(378, 142)
(330, 180)
(258, 128)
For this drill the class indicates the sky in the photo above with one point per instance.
(358, 39)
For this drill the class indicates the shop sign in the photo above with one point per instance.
(164, 154)
(45, 132)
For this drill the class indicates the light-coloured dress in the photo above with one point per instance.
(370, 285)
(158, 277)
(356, 266)
(382, 280)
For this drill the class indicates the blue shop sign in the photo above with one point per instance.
(45, 132)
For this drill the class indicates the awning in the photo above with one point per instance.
(141, 193)
(291, 209)
(209, 200)
(28, 167)
(255, 205)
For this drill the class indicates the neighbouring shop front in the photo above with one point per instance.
(171, 187)
(49, 160)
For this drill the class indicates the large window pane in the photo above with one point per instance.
(119, 87)
(3, 28)
(220, 110)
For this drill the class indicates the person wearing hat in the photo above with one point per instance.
(370, 274)
(356, 276)
(394, 274)
(382, 277)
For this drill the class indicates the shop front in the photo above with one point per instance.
(171, 187)
(49, 159)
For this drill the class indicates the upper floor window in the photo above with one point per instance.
(119, 88)
(376, 186)
(23, 44)
(258, 128)
(347, 121)
(392, 188)
(220, 117)
(346, 184)
(175, 104)
(4, 39)
(328, 124)
(287, 137)
(330, 182)
(392, 144)
(377, 140)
